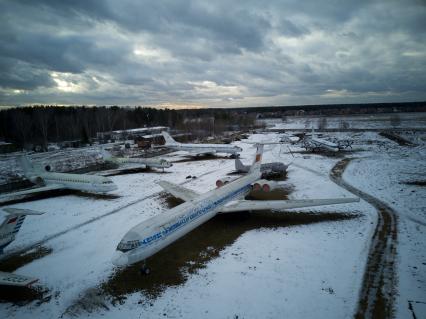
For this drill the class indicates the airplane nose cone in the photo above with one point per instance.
(120, 259)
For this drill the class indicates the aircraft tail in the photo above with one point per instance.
(169, 140)
(12, 224)
(106, 155)
(255, 167)
(240, 167)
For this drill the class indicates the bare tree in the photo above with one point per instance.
(344, 125)
(307, 123)
(322, 123)
(22, 123)
(42, 120)
(395, 120)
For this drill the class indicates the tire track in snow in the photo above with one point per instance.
(29, 247)
(376, 298)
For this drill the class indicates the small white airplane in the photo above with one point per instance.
(51, 181)
(289, 138)
(313, 143)
(199, 149)
(266, 169)
(147, 162)
(156, 233)
(8, 230)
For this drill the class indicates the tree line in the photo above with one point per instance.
(40, 125)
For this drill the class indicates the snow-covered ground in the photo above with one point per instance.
(305, 271)
(384, 175)
(364, 121)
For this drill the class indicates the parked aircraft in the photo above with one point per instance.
(289, 138)
(313, 143)
(156, 233)
(147, 162)
(198, 149)
(47, 180)
(8, 230)
(266, 169)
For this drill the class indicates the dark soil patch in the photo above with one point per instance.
(172, 266)
(38, 196)
(202, 158)
(23, 295)
(14, 262)
(416, 183)
(396, 138)
(136, 170)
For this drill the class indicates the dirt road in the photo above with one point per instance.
(376, 298)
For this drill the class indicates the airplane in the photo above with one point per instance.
(199, 149)
(147, 162)
(149, 237)
(314, 143)
(8, 231)
(47, 180)
(266, 169)
(289, 138)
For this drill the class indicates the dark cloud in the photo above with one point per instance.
(240, 52)
(18, 75)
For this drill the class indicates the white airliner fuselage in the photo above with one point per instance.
(82, 182)
(149, 237)
(48, 181)
(200, 148)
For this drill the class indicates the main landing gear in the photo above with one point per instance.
(144, 270)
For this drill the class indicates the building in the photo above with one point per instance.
(131, 134)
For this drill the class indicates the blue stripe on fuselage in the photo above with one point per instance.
(195, 213)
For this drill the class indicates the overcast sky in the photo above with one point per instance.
(212, 53)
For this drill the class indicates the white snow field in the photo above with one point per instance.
(310, 270)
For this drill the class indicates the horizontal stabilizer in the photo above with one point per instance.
(281, 205)
(9, 279)
(20, 211)
(179, 191)
(11, 196)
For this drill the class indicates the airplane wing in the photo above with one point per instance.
(31, 191)
(281, 205)
(178, 191)
(9, 279)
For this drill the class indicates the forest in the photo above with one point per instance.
(40, 125)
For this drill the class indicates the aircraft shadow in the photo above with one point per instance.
(190, 158)
(172, 266)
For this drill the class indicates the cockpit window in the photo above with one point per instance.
(128, 245)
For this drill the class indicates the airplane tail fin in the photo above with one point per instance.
(240, 167)
(169, 140)
(13, 222)
(255, 167)
(106, 155)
